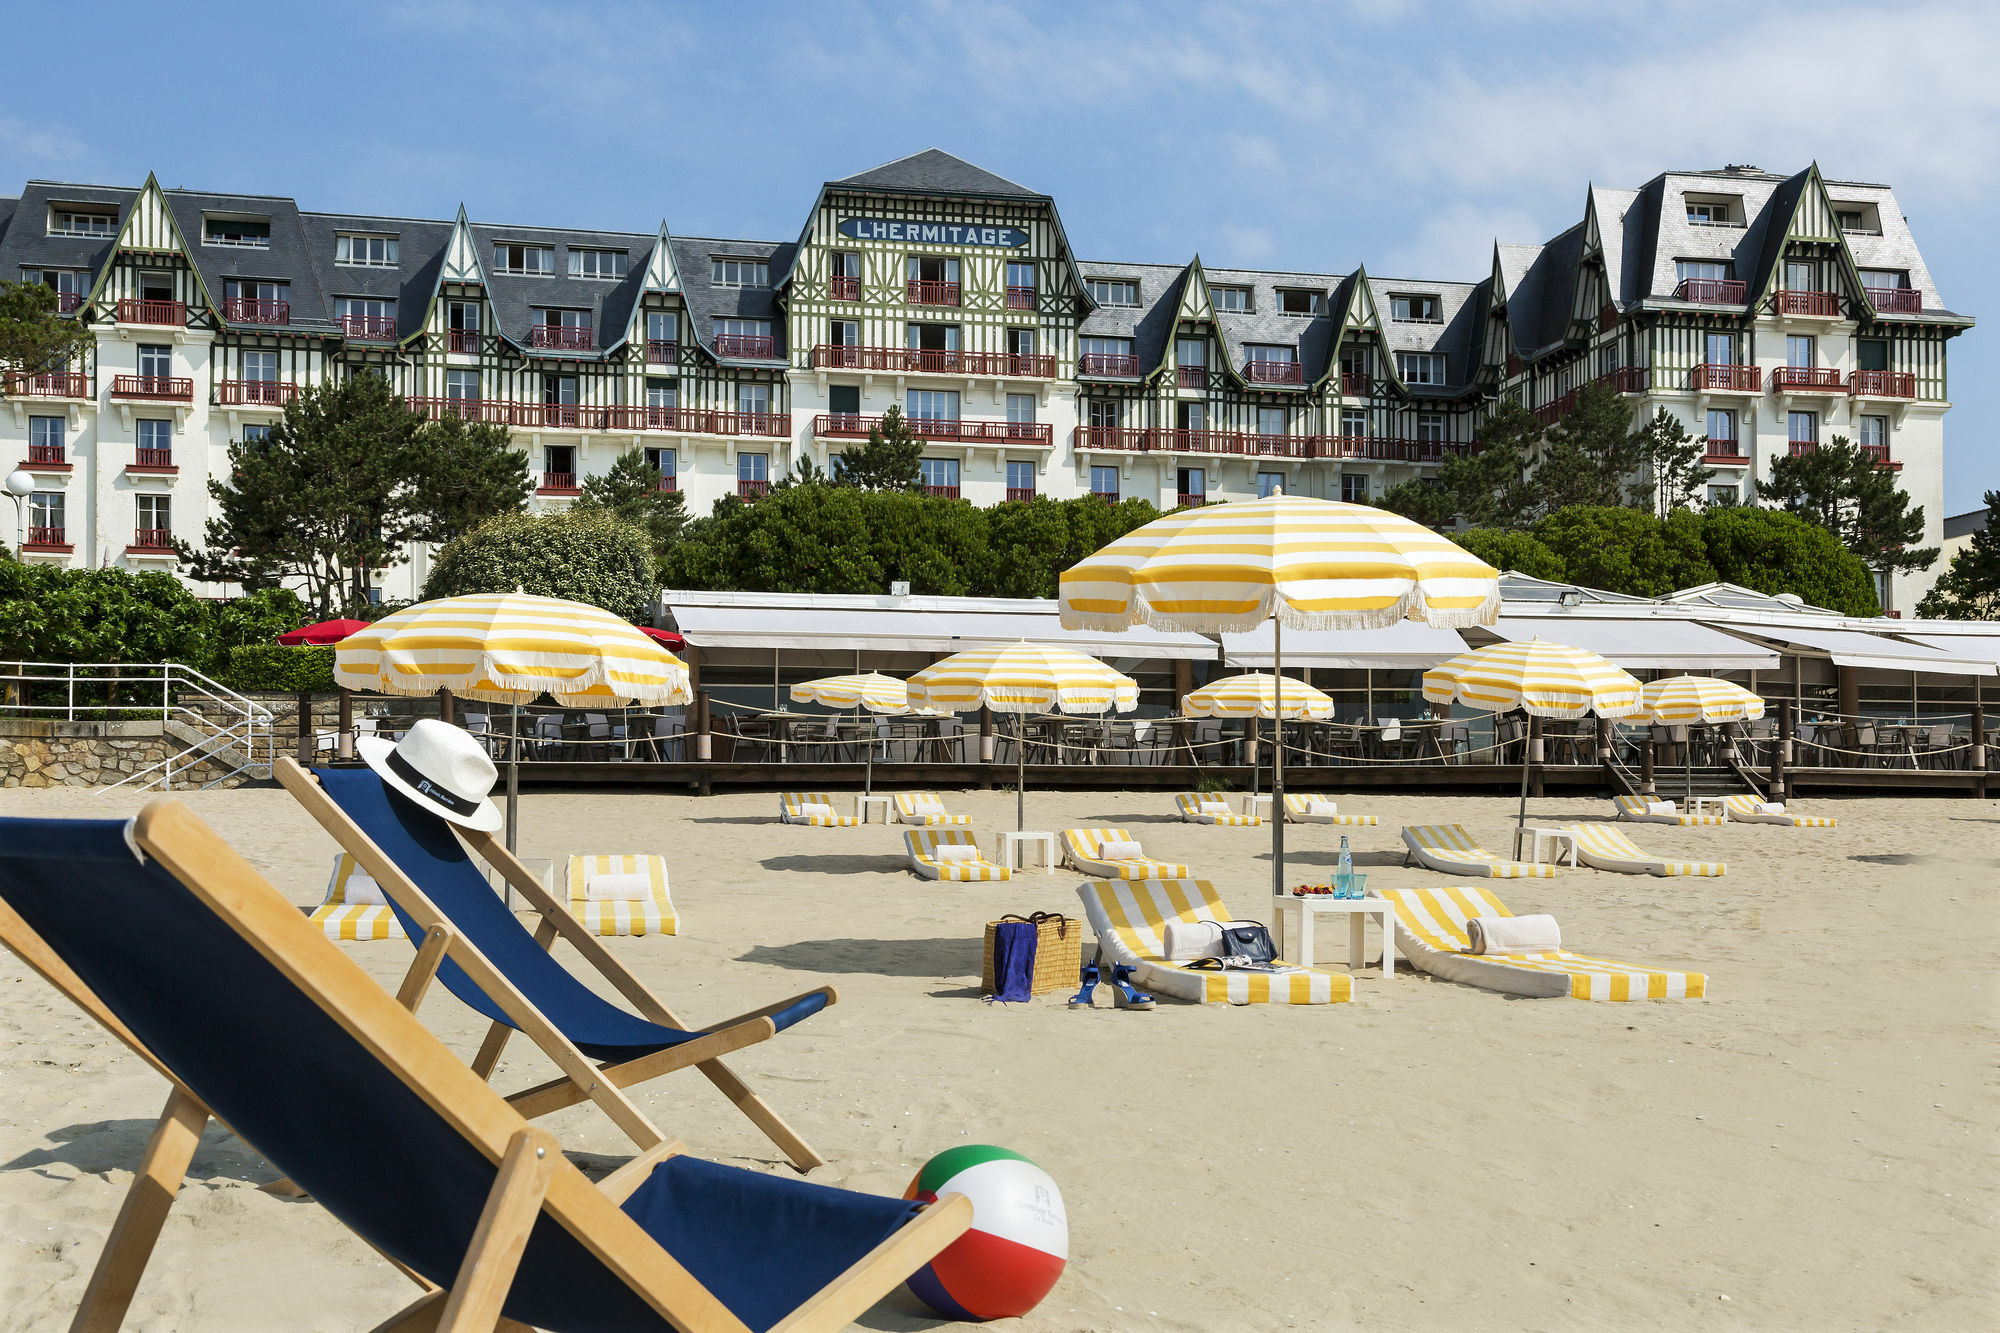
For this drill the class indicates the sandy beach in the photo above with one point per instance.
(1812, 1147)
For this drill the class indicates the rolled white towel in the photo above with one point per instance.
(954, 851)
(1770, 807)
(623, 886)
(1326, 808)
(1120, 851)
(1189, 940)
(1536, 933)
(816, 810)
(361, 890)
(1211, 806)
(1661, 808)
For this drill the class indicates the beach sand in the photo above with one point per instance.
(1812, 1147)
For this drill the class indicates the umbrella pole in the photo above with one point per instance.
(1277, 761)
(513, 788)
(1020, 775)
(868, 752)
(1527, 749)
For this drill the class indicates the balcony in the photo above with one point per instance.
(1607, 317)
(47, 458)
(1805, 379)
(240, 311)
(159, 388)
(1189, 499)
(663, 352)
(50, 384)
(1895, 300)
(1109, 497)
(668, 485)
(1021, 493)
(558, 483)
(152, 460)
(933, 361)
(133, 311)
(1020, 298)
(254, 393)
(851, 426)
(747, 489)
(152, 539)
(1233, 442)
(561, 338)
(1724, 453)
(941, 492)
(843, 289)
(461, 340)
(1818, 305)
(1880, 453)
(1355, 384)
(1382, 449)
(1191, 377)
(755, 346)
(1722, 377)
(1274, 372)
(1246, 444)
(1625, 379)
(1883, 384)
(1122, 439)
(47, 539)
(369, 328)
(68, 303)
(1108, 365)
(1710, 291)
(920, 292)
(570, 416)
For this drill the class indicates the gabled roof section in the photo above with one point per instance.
(285, 257)
(457, 261)
(707, 303)
(1150, 324)
(1354, 311)
(149, 227)
(934, 171)
(411, 282)
(1459, 334)
(662, 274)
(1195, 300)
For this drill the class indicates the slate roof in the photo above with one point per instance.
(515, 297)
(285, 260)
(420, 245)
(1964, 525)
(934, 171)
(7, 206)
(1313, 335)
(28, 245)
(1462, 306)
(1150, 324)
(706, 303)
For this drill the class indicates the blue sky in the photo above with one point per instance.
(1403, 134)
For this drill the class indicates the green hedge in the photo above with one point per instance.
(271, 666)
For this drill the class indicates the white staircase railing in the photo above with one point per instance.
(207, 720)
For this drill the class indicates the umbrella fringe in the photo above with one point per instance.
(1413, 605)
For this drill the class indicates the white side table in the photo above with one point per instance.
(1258, 803)
(1357, 911)
(1555, 840)
(1709, 805)
(1014, 844)
(863, 804)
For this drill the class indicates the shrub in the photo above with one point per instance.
(1511, 548)
(274, 666)
(585, 555)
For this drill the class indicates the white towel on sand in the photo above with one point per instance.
(816, 810)
(1120, 851)
(625, 886)
(1536, 933)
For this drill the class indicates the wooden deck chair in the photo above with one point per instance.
(1430, 932)
(1207, 808)
(340, 919)
(261, 1022)
(789, 811)
(1083, 848)
(1605, 847)
(930, 860)
(1311, 809)
(1635, 809)
(1449, 848)
(1129, 918)
(923, 807)
(488, 960)
(1750, 810)
(653, 915)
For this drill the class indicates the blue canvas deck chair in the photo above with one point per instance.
(261, 1022)
(473, 944)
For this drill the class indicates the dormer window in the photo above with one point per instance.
(254, 233)
(1858, 219)
(596, 263)
(524, 257)
(1112, 291)
(1713, 210)
(1233, 300)
(80, 222)
(1417, 308)
(1292, 301)
(729, 272)
(365, 251)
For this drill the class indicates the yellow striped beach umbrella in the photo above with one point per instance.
(1680, 700)
(1255, 694)
(1022, 678)
(870, 690)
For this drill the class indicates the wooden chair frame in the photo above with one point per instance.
(581, 1079)
(533, 1175)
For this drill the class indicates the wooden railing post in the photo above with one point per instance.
(1604, 746)
(702, 748)
(1976, 757)
(1533, 756)
(1646, 788)
(985, 734)
(346, 740)
(447, 707)
(1781, 750)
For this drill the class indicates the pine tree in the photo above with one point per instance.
(635, 490)
(34, 338)
(1840, 487)
(1969, 588)
(1587, 457)
(1487, 485)
(1671, 459)
(889, 461)
(463, 473)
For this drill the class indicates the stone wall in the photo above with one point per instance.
(37, 753)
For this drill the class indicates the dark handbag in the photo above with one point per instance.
(1248, 939)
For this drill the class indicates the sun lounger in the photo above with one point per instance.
(1743, 810)
(1430, 932)
(1083, 849)
(1189, 804)
(922, 807)
(922, 845)
(1319, 810)
(1129, 917)
(339, 919)
(277, 1034)
(1605, 847)
(788, 810)
(653, 916)
(1450, 849)
(1634, 809)
(484, 956)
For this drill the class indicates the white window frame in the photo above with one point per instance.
(240, 240)
(1226, 294)
(505, 253)
(62, 222)
(1421, 367)
(1315, 301)
(363, 249)
(1113, 291)
(582, 259)
(738, 271)
(1406, 302)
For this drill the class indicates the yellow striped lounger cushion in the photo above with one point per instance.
(656, 916)
(924, 808)
(1634, 809)
(1299, 810)
(1081, 848)
(1430, 932)
(338, 919)
(1449, 848)
(1743, 810)
(788, 810)
(1605, 847)
(1129, 917)
(922, 845)
(1191, 812)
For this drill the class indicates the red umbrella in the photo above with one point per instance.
(664, 637)
(327, 631)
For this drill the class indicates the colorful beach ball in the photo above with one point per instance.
(1018, 1242)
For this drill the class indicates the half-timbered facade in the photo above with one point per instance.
(1769, 312)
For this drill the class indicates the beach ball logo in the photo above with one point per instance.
(1016, 1247)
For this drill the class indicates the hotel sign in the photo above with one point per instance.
(931, 233)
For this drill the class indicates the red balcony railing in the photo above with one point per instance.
(1020, 298)
(1186, 499)
(1800, 448)
(1883, 384)
(663, 352)
(68, 303)
(1355, 384)
(933, 361)
(50, 384)
(244, 311)
(1710, 291)
(1822, 304)
(134, 311)
(254, 393)
(561, 338)
(53, 454)
(1880, 453)
(843, 289)
(570, 416)
(1625, 379)
(462, 340)
(1806, 378)
(153, 539)
(1191, 377)
(1274, 372)
(1724, 452)
(1895, 300)
(919, 292)
(369, 328)
(1109, 497)
(164, 387)
(1382, 449)
(852, 426)
(1023, 493)
(147, 458)
(1108, 365)
(668, 485)
(751, 490)
(753, 345)
(1126, 439)
(47, 537)
(557, 483)
(1607, 317)
(941, 492)
(1714, 375)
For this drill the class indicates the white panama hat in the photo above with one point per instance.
(441, 768)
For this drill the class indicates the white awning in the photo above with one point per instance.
(844, 626)
(1653, 644)
(1858, 648)
(1976, 647)
(1407, 645)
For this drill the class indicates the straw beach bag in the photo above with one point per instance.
(1058, 952)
